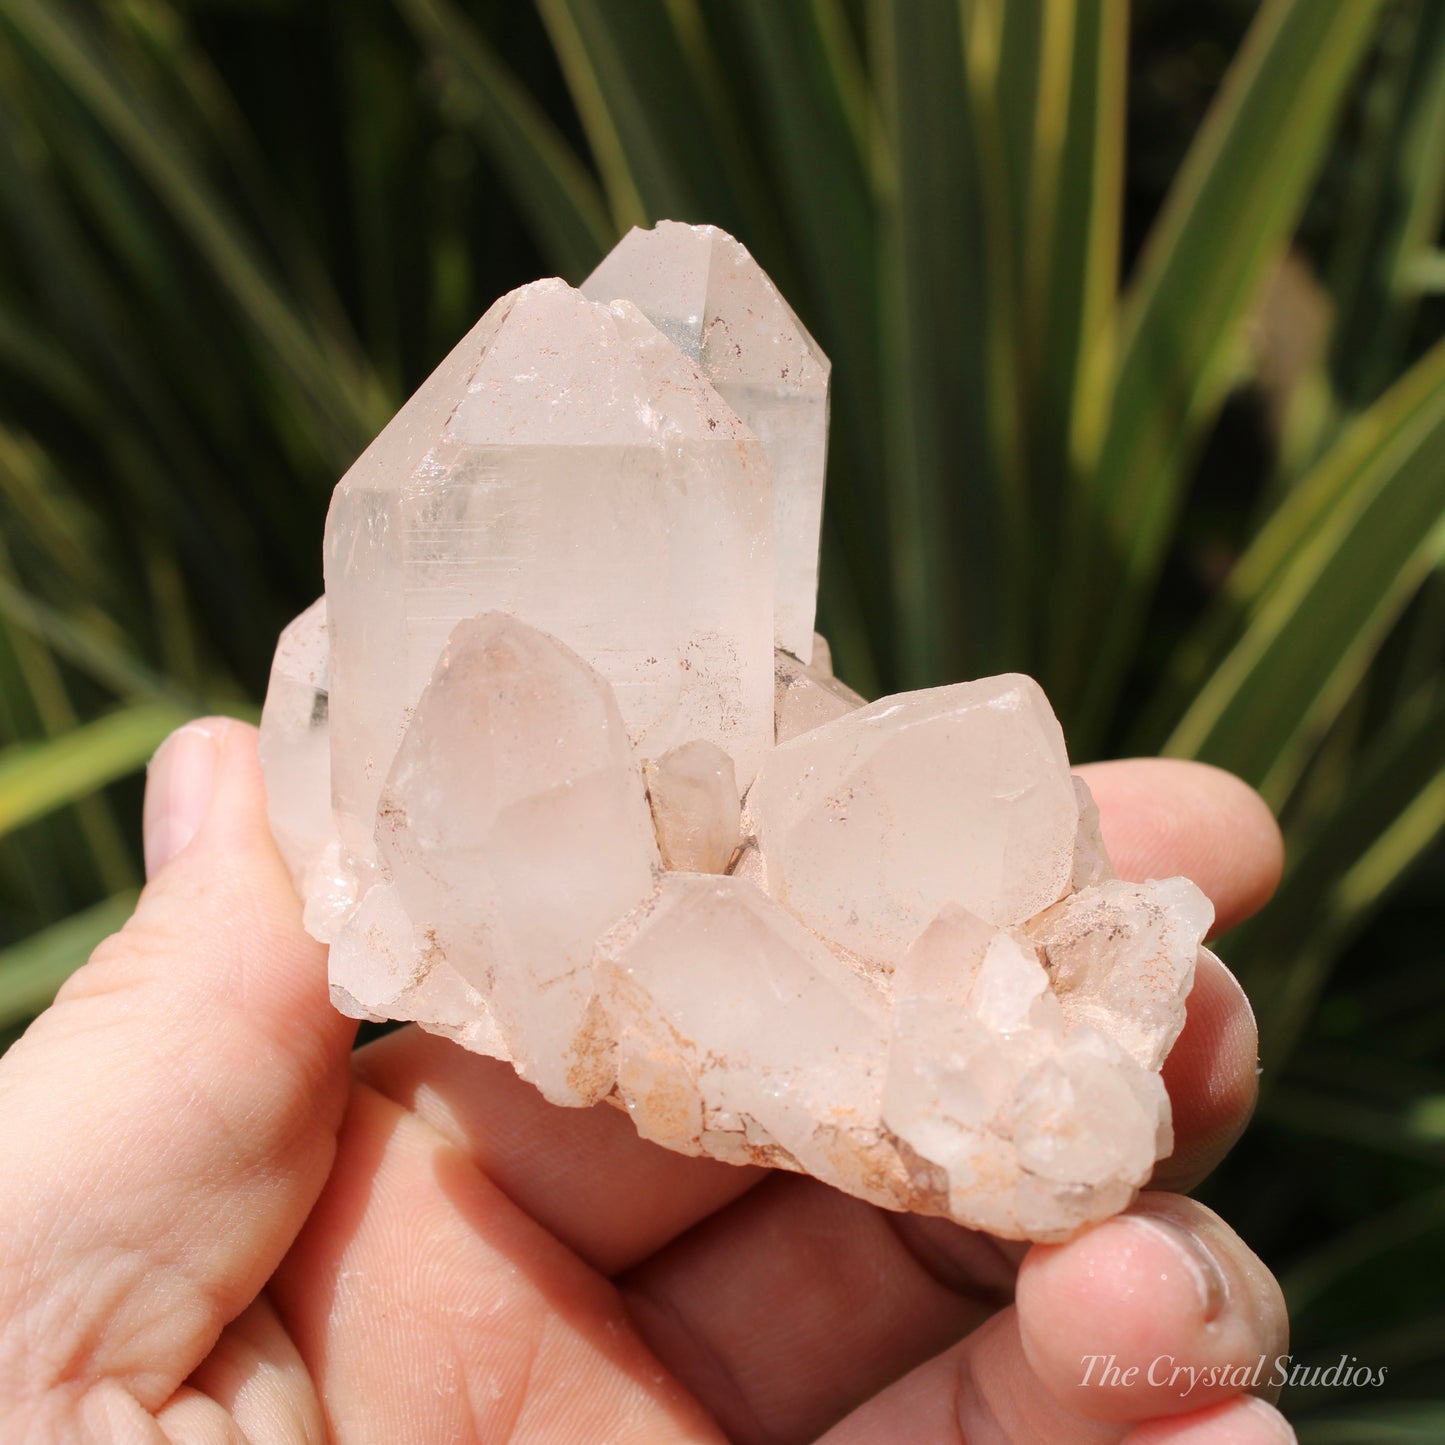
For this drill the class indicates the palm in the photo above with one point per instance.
(415, 1246)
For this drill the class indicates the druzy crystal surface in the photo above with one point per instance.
(562, 773)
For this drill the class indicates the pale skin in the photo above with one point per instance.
(218, 1224)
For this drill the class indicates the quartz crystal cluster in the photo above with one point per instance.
(562, 773)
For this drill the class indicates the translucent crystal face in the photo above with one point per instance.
(562, 775)
(568, 465)
(703, 291)
(872, 823)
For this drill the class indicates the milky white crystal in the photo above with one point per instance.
(693, 793)
(708, 296)
(295, 752)
(1046, 1123)
(1118, 953)
(563, 774)
(385, 967)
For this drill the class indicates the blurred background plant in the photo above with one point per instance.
(1135, 318)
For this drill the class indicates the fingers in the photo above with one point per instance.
(797, 1303)
(615, 1198)
(583, 1174)
(172, 1117)
(1212, 1075)
(253, 1386)
(1168, 1290)
(1245, 1420)
(428, 1307)
(1159, 1315)
(1162, 817)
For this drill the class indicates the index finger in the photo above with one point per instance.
(1163, 817)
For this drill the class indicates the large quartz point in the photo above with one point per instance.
(567, 464)
(875, 821)
(707, 295)
(562, 773)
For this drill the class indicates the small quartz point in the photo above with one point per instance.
(1121, 955)
(708, 296)
(1091, 857)
(296, 743)
(522, 857)
(1044, 1123)
(379, 957)
(562, 773)
(806, 697)
(1040, 1130)
(295, 749)
(693, 791)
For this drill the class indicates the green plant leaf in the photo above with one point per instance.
(945, 522)
(1187, 700)
(1328, 1115)
(1395, 203)
(37, 778)
(1322, 585)
(331, 375)
(64, 303)
(52, 517)
(1228, 216)
(32, 971)
(1339, 872)
(37, 674)
(635, 87)
(1362, 1246)
(554, 189)
(91, 643)
(1071, 248)
(590, 95)
(1415, 1422)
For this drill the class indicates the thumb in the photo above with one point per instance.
(180, 783)
(172, 1117)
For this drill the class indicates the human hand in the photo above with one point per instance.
(216, 1224)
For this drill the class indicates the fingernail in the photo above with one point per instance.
(179, 784)
(1228, 973)
(1193, 1254)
